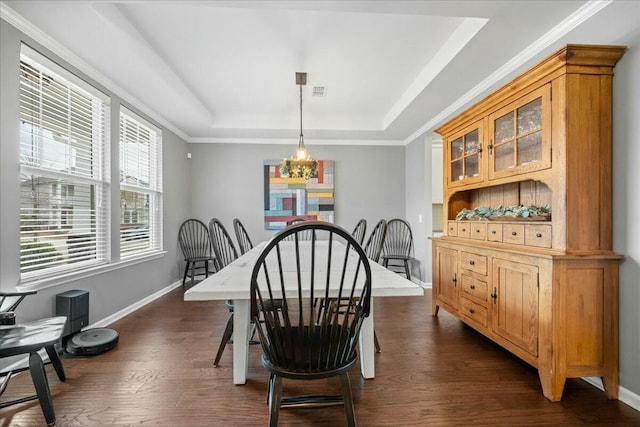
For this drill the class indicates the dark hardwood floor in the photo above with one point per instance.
(431, 371)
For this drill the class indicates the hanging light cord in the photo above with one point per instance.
(301, 142)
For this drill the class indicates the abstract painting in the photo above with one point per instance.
(289, 198)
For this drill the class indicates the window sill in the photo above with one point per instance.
(49, 282)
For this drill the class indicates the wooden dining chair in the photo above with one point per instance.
(360, 230)
(373, 249)
(375, 242)
(244, 241)
(195, 243)
(225, 253)
(303, 236)
(397, 250)
(298, 342)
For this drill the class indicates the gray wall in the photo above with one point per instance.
(110, 291)
(418, 200)
(227, 182)
(626, 205)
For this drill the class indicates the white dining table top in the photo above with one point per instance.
(233, 281)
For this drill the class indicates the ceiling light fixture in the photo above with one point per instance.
(302, 165)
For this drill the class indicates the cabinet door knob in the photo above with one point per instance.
(472, 286)
(493, 231)
(464, 229)
(472, 262)
(538, 234)
(471, 310)
(494, 295)
(513, 233)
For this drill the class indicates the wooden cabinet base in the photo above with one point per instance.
(556, 312)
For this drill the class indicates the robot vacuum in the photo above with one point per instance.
(92, 342)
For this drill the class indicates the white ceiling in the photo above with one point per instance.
(224, 71)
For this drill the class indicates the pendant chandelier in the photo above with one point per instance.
(302, 165)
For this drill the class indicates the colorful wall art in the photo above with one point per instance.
(289, 198)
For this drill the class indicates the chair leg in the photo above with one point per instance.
(55, 361)
(39, 378)
(345, 385)
(193, 273)
(275, 396)
(186, 270)
(270, 386)
(375, 341)
(407, 270)
(226, 336)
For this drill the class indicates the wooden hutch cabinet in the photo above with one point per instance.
(545, 288)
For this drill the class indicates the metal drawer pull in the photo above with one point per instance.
(538, 234)
(472, 262)
(477, 230)
(471, 310)
(464, 229)
(513, 233)
(493, 231)
(472, 286)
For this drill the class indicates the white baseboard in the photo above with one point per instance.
(133, 307)
(624, 395)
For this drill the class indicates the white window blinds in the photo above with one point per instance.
(140, 185)
(63, 170)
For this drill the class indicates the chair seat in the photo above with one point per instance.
(397, 257)
(30, 336)
(200, 259)
(298, 365)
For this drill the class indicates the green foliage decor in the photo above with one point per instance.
(516, 212)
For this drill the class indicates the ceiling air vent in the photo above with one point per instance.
(319, 90)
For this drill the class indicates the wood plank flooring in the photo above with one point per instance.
(432, 371)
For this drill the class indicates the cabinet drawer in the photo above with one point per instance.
(537, 235)
(494, 232)
(513, 233)
(479, 231)
(474, 262)
(474, 287)
(452, 228)
(464, 229)
(474, 311)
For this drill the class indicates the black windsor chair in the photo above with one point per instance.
(195, 244)
(297, 341)
(397, 251)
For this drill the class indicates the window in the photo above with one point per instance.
(140, 185)
(64, 182)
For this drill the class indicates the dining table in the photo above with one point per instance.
(233, 282)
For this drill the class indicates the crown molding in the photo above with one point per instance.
(22, 24)
(572, 21)
(308, 142)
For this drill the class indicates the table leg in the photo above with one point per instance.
(241, 325)
(367, 347)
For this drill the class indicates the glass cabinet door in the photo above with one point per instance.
(520, 136)
(464, 156)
